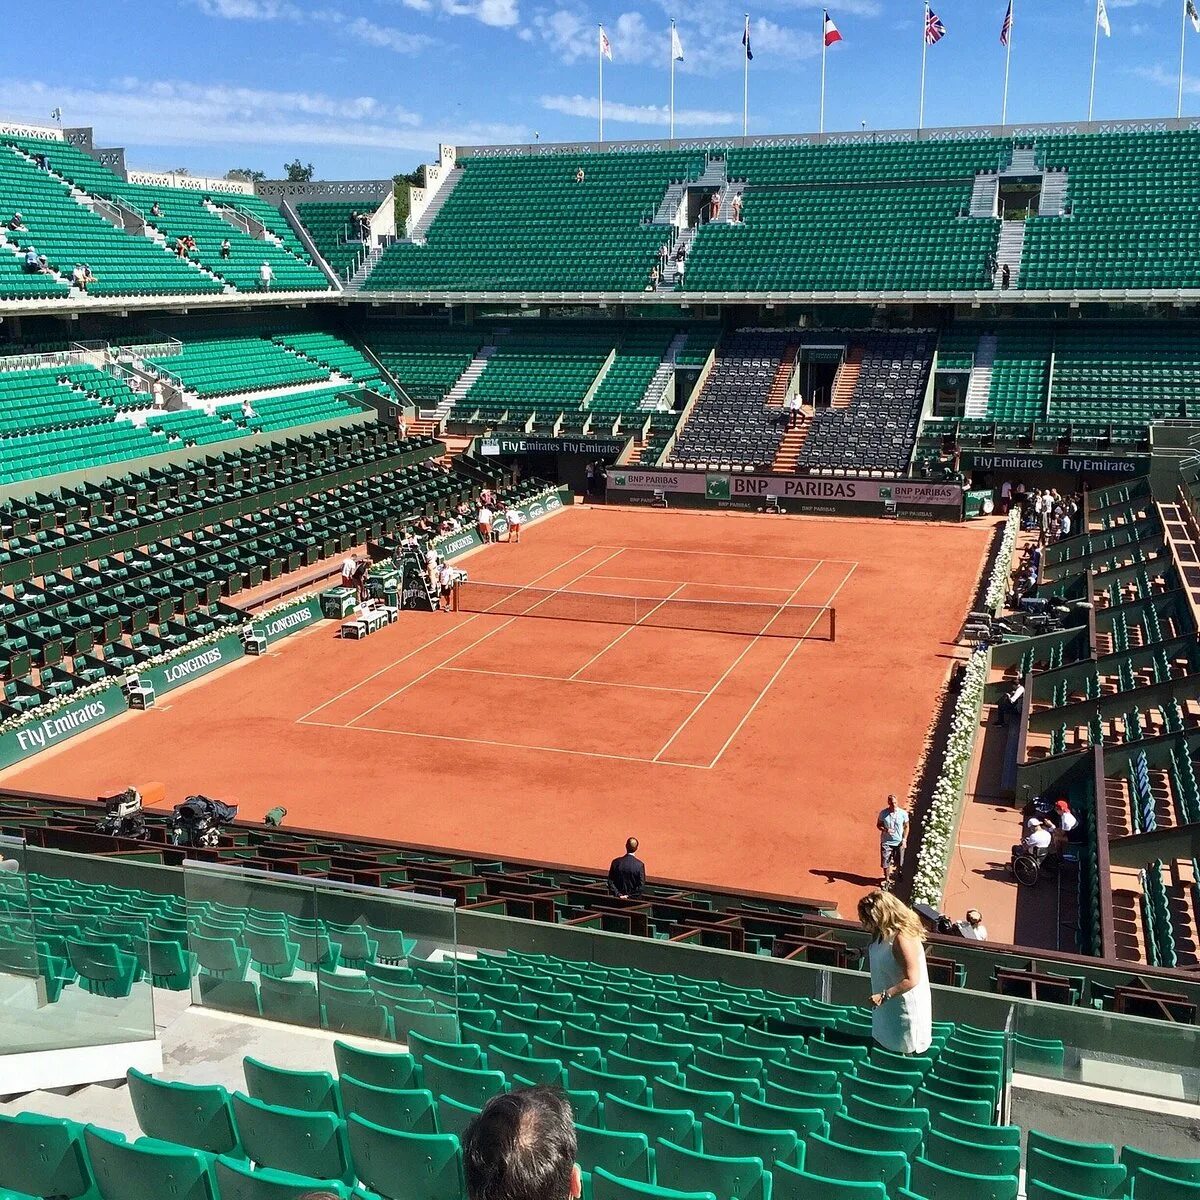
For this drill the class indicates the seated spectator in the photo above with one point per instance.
(1010, 704)
(522, 1146)
(653, 282)
(32, 264)
(265, 275)
(181, 247)
(155, 209)
(972, 926)
(78, 278)
(40, 160)
(190, 244)
(579, 176)
(16, 222)
(89, 276)
(224, 247)
(248, 410)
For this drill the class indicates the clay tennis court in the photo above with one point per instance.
(753, 759)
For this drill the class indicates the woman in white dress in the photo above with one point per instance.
(902, 1020)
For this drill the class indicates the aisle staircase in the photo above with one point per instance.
(662, 374)
(447, 184)
(847, 378)
(365, 267)
(464, 383)
(980, 385)
(666, 282)
(1009, 251)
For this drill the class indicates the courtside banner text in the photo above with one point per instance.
(722, 487)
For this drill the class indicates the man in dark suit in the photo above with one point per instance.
(627, 874)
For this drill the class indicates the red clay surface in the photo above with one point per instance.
(740, 762)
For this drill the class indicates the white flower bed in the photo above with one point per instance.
(941, 820)
(58, 703)
(997, 586)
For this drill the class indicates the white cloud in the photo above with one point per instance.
(141, 113)
(569, 36)
(251, 10)
(1159, 75)
(501, 14)
(387, 38)
(638, 114)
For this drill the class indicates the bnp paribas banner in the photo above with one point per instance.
(194, 664)
(53, 726)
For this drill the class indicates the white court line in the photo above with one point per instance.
(625, 633)
(736, 587)
(641, 687)
(779, 671)
(841, 562)
(446, 737)
(423, 646)
(471, 646)
(725, 674)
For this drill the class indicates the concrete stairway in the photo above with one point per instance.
(1024, 161)
(662, 374)
(980, 386)
(365, 268)
(777, 394)
(1008, 253)
(666, 282)
(1053, 200)
(726, 193)
(668, 207)
(448, 183)
(463, 384)
(847, 379)
(984, 193)
(788, 454)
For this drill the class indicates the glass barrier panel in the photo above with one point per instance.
(388, 964)
(252, 936)
(1152, 1057)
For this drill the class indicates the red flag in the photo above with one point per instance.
(831, 31)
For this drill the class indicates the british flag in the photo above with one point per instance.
(934, 29)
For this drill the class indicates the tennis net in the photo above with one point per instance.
(751, 619)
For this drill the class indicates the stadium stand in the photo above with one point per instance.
(335, 231)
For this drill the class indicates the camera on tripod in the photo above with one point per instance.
(123, 815)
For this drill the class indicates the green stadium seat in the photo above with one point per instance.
(1085, 1152)
(728, 1139)
(406, 1166)
(1186, 1170)
(411, 1110)
(147, 1169)
(237, 1181)
(1076, 1174)
(678, 1125)
(932, 1182)
(198, 1116)
(607, 1186)
(374, 1067)
(464, 1084)
(43, 1156)
(684, 1170)
(793, 1184)
(624, 1154)
(308, 1091)
(454, 1117)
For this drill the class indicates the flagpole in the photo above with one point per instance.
(1183, 21)
(924, 51)
(1095, 51)
(1008, 59)
(671, 52)
(600, 53)
(821, 126)
(746, 78)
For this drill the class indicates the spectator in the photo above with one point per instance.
(627, 874)
(512, 518)
(349, 568)
(991, 264)
(16, 222)
(33, 264)
(579, 176)
(680, 267)
(432, 563)
(1038, 836)
(156, 209)
(265, 275)
(1069, 829)
(522, 1146)
(401, 424)
(902, 1020)
(1005, 277)
(446, 577)
(40, 160)
(1064, 525)
(189, 244)
(224, 247)
(157, 392)
(892, 824)
(484, 521)
(1005, 497)
(735, 208)
(9, 865)
(488, 497)
(972, 926)
(180, 248)
(653, 284)
(1021, 493)
(714, 206)
(795, 410)
(248, 410)
(664, 253)
(78, 279)
(1010, 704)
(589, 480)
(88, 276)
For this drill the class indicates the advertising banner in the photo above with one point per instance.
(532, 443)
(194, 665)
(290, 620)
(810, 494)
(47, 729)
(1070, 464)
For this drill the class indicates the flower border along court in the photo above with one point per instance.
(941, 820)
(997, 587)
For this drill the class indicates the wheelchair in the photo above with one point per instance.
(1027, 866)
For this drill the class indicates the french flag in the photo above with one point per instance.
(831, 30)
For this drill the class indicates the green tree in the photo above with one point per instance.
(245, 175)
(298, 172)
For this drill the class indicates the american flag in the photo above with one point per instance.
(1193, 15)
(934, 29)
(1006, 28)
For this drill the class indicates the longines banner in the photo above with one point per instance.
(856, 497)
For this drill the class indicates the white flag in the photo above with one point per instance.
(1102, 18)
(676, 45)
(606, 45)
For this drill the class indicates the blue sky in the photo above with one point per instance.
(365, 89)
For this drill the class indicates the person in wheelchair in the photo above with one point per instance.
(1036, 843)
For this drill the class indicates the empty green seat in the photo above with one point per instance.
(1085, 1152)
(43, 1156)
(291, 1139)
(948, 1150)
(406, 1166)
(624, 1154)
(607, 1186)
(836, 1161)
(377, 1068)
(309, 1091)
(789, 1183)
(675, 1124)
(728, 1139)
(197, 1116)
(928, 1180)
(462, 1083)
(411, 1110)
(237, 1181)
(690, 1171)
(147, 1169)
(1074, 1174)
(1186, 1170)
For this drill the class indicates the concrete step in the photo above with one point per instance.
(788, 454)
(847, 379)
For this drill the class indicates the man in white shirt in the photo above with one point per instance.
(349, 569)
(1038, 837)
(266, 275)
(512, 518)
(795, 410)
(1010, 704)
(432, 562)
(1066, 819)
(446, 577)
(972, 926)
(484, 520)
(1005, 496)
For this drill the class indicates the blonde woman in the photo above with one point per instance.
(902, 1021)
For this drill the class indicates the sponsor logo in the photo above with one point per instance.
(39, 736)
(716, 487)
(638, 480)
(552, 503)
(291, 620)
(456, 545)
(190, 666)
(535, 511)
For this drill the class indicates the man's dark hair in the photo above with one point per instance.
(521, 1147)
(631, 845)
